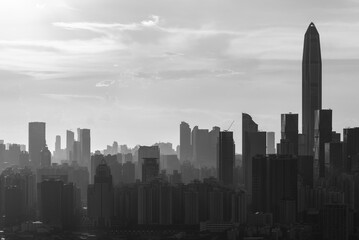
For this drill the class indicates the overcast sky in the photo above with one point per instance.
(131, 71)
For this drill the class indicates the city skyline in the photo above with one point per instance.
(180, 64)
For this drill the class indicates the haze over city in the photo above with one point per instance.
(131, 71)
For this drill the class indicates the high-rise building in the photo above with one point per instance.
(200, 145)
(146, 152)
(70, 138)
(270, 140)
(351, 148)
(45, 157)
(322, 135)
(311, 84)
(150, 169)
(85, 143)
(185, 142)
(100, 197)
(253, 143)
(226, 155)
(289, 131)
(37, 141)
(58, 143)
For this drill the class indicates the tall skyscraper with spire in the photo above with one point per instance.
(311, 85)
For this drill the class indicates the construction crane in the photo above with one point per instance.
(229, 126)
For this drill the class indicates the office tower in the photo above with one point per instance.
(226, 154)
(13, 154)
(58, 143)
(114, 147)
(128, 172)
(100, 197)
(351, 148)
(322, 135)
(334, 156)
(150, 169)
(185, 142)
(37, 141)
(116, 168)
(45, 157)
(200, 146)
(253, 143)
(146, 152)
(70, 138)
(76, 152)
(165, 148)
(96, 160)
(213, 136)
(270, 140)
(85, 143)
(311, 85)
(289, 131)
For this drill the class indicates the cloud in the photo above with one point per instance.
(105, 83)
(154, 20)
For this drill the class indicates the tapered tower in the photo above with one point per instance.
(311, 85)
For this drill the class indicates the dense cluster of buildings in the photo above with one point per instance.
(306, 186)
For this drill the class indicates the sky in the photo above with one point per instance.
(131, 71)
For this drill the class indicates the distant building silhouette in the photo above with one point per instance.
(146, 152)
(185, 142)
(45, 156)
(351, 149)
(37, 141)
(311, 85)
(85, 143)
(289, 132)
(70, 138)
(101, 197)
(150, 169)
(322, 135)
(270, 140)
(253, 143)
(226, 155)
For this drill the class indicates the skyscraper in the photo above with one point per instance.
(146, 152)
(289, 131)
(185, 142)
(322, 135)
(37, 141)
(226, 153)
(150, 169)
(45, 157)
(311, 85)
(85, 142)
(253, 143)
(100, 197)
(70, 136)
(270, 143)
